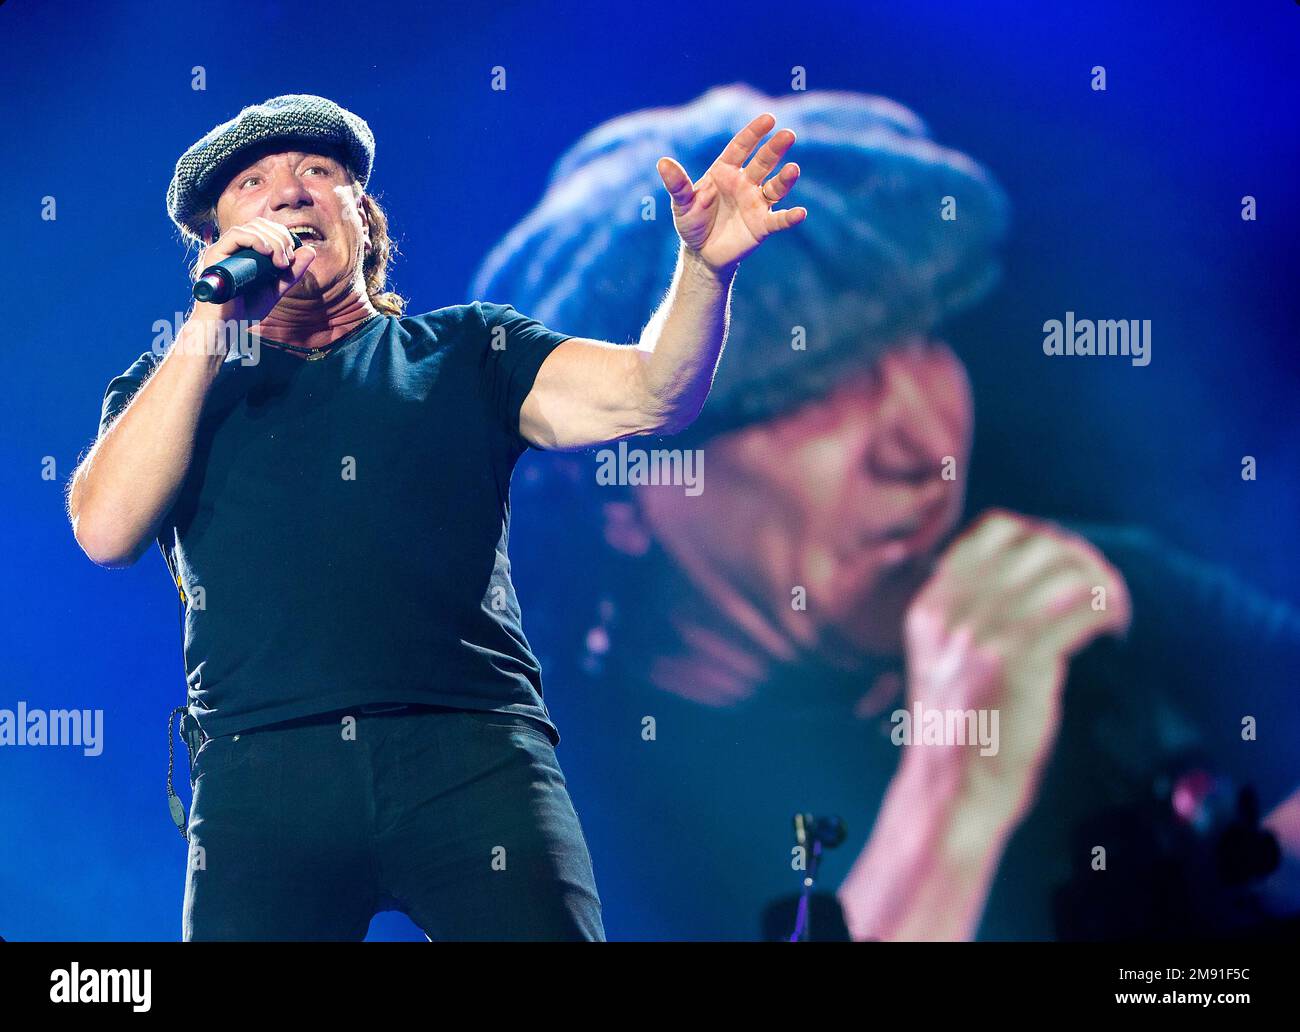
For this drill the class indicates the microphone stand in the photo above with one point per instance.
(812, 834)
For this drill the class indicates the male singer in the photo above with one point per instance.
(336, 514)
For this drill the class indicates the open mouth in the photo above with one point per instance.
(307, 234)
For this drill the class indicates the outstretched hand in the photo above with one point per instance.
(728, 212)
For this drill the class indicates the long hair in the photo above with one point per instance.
(374, 267)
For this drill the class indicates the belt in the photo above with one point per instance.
(192, 734)
(195, 737)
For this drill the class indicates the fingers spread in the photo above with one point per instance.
(770, 153)
(676, 181)
(776, 188)
(744, 142)
(785, 218)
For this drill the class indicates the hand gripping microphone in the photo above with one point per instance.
(244, 270)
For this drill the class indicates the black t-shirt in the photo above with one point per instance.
(690, 830)
(341, 536)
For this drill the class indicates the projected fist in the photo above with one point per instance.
(993, 629)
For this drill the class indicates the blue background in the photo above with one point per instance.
(1126, 204)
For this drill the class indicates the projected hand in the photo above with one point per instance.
(1010, 603)
(728, 212)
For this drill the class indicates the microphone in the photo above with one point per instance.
(822, 832)
(244, 270)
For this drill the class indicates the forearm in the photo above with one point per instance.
(681, 344)
(925, 873)
(130, 478)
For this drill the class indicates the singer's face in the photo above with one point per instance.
(302, 189)
(849, 496)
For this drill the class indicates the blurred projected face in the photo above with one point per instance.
(309, 190)
(845, 497)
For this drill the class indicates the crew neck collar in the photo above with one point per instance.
(330, 349)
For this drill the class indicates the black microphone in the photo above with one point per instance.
(244, 270)
(827, 832)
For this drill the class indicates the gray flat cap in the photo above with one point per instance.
(202, 171)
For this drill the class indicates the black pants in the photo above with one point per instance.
(459, 819)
